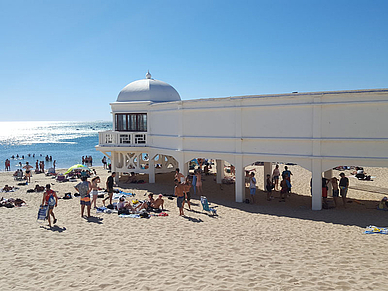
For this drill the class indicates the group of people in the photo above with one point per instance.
(339, 187)
(87, 160)
(182, 188)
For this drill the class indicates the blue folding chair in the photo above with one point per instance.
(206, 207)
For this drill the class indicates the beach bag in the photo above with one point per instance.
(51, 201)
(144, 214)
(110, 206)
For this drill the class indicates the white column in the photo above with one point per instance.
(151, 169)
(220, 171)
(316, 203)
(267, 170)
(240, 180)
(328, 175)
(114, 162)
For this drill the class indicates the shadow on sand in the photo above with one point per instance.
(55, 228)
(94, 219)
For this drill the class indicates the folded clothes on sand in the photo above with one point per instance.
(371, 229)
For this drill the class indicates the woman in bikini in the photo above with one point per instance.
(95, 189)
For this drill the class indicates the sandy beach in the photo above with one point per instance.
(266, 246)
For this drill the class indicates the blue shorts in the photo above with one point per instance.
(179, 201)
(252, 191)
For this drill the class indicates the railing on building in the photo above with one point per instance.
(122, 138)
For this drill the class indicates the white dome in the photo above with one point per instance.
(148, 90)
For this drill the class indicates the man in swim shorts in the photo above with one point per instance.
(334, 184)
(84, 188)
(180, 196)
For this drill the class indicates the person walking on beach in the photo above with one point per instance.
(269, 186)
(286, 175)
(252, 186)
(275, 177)
(28, 172)
(104, 162)
(50, 199)
(180, 196)
(109, 188)
(343, 185)
(95, 189)
(84, 188)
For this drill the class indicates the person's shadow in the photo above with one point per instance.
(94, 219)
(54, 228)
(197, 220)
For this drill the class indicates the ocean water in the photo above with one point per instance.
(65, 141)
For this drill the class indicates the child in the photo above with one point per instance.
(50, 198)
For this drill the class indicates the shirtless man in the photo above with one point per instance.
(180, 196)
(28, 172)
(186, 191)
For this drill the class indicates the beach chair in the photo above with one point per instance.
(42, 213)
(206, 207)
(19, 176)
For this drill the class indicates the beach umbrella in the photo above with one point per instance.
(77, 166)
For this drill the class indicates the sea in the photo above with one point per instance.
(65, 141)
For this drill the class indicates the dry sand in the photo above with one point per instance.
(267, 246)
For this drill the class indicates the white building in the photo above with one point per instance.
(318, 131)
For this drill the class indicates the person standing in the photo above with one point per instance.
(50, 199)
(180, 176)
(28, 172)
(198, 182)
(334, 184)
(269, 186)
(180, 196)
(252, 186)
(343, 185)
(95, 189)
(109, 188)
(275, 177)
(194, 182)
(286, 175)
(84, 189)
(104, 162)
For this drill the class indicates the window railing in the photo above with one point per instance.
(117, 138)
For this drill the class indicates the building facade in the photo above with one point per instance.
(155, 131)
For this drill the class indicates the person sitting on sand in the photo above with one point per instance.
(151, 203)
(39, 188)
(122, 205)
(50, 198)
(131, 178)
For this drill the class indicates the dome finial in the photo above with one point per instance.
(148, 75)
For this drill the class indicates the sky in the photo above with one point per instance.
(67, 60)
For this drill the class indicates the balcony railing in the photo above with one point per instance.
(122, 138)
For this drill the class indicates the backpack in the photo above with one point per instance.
(51, 201)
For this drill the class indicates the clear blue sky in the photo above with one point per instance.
(67, 60)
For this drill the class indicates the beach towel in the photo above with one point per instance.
(129, 215)
(371, 229)
(42, 213)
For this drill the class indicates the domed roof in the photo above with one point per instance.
(148, 90)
